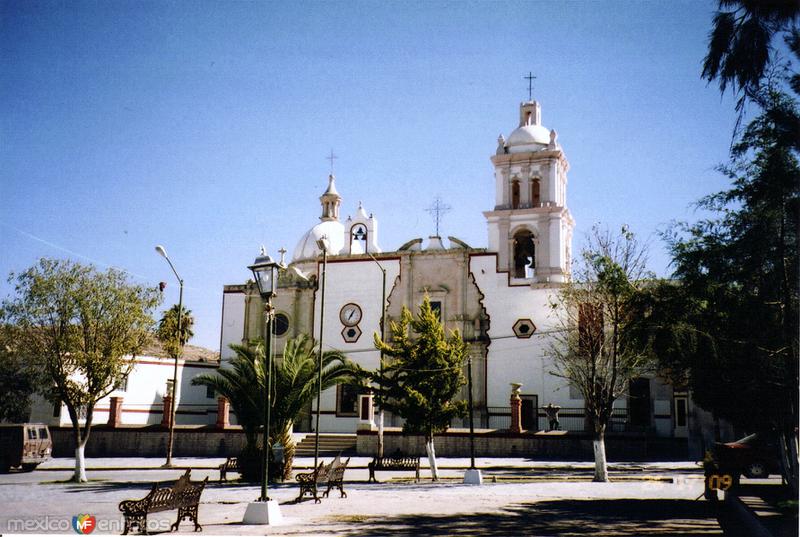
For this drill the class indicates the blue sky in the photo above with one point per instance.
(205, 126)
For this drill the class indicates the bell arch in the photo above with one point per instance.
(524, 253)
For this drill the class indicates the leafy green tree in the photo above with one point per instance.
(423, 375)
(18, 380)
(167, 332)
(730, 327)
(740, 48)
(79, 327)
(244, 380)
(595, 348)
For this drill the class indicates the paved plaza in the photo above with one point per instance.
(520, 497)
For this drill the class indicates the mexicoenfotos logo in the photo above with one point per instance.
(84, 524)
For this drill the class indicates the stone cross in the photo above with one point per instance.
(438, 209)
(331, 158)
(530, 78)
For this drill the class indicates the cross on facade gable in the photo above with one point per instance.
(438, 210)
(331, 158)
(530, 78)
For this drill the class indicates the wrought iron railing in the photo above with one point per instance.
(569, 419)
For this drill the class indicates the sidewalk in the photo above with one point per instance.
(302, 463)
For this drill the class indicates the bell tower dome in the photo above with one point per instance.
(531, 227)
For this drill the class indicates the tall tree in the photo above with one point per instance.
(167, 333)
(80, 327)
(730, 326)
(595, 349)
(244, 384)
(422, 375)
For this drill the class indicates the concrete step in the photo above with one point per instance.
(329, 444)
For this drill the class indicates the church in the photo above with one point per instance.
(498, 297)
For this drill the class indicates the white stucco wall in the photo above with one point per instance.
(143, 396)
(232, 322)
(356, 281)
(512, 359)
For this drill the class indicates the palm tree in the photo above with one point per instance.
(167, 331)
(294, 387)
(740, 46)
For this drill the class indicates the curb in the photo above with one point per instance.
(747, 518)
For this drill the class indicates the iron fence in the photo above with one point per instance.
(569, 419)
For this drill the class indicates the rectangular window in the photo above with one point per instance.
(42, 433)
(347, 400)
(57, 410)
(436, 306)
(210, 394)
(680, 418)
(590, 329)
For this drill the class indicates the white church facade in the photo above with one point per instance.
(498, 297)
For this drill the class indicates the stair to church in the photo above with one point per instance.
(329, 444)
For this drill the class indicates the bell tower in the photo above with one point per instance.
(531, 227)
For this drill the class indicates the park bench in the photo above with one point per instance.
(336, 477)
(230, 465)
(311, 481)
(183, 495)
(393, 463)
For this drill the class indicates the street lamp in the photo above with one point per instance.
(265, 273)
(322, 244)
(174, 399)
(472, 476)
(380, 366)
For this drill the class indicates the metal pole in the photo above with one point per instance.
(319, 372)
(267, 401)
(471, 420)
(380, 366)
(174, 399)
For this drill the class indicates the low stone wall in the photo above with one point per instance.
(151, 441)
(537, 445)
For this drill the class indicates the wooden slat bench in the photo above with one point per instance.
(183, 495)
(230, 465)
(393, 463)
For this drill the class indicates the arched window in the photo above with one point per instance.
(524, 254)
(536, 197)
(515, 194)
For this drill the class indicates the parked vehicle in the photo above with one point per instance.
(754, 456)
(24, 445)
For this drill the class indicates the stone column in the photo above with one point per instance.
(166, 416)
(115, 412)
(516, 408)
(223, 413)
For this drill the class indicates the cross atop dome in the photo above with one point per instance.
(530, 78)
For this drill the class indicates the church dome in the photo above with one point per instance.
(529, 134)
(307, 245)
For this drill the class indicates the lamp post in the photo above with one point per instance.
(322, 244)
(472, 476)
(174, 398)
(265, 273)
(380, 365)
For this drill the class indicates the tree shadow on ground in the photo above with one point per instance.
(627, 517)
